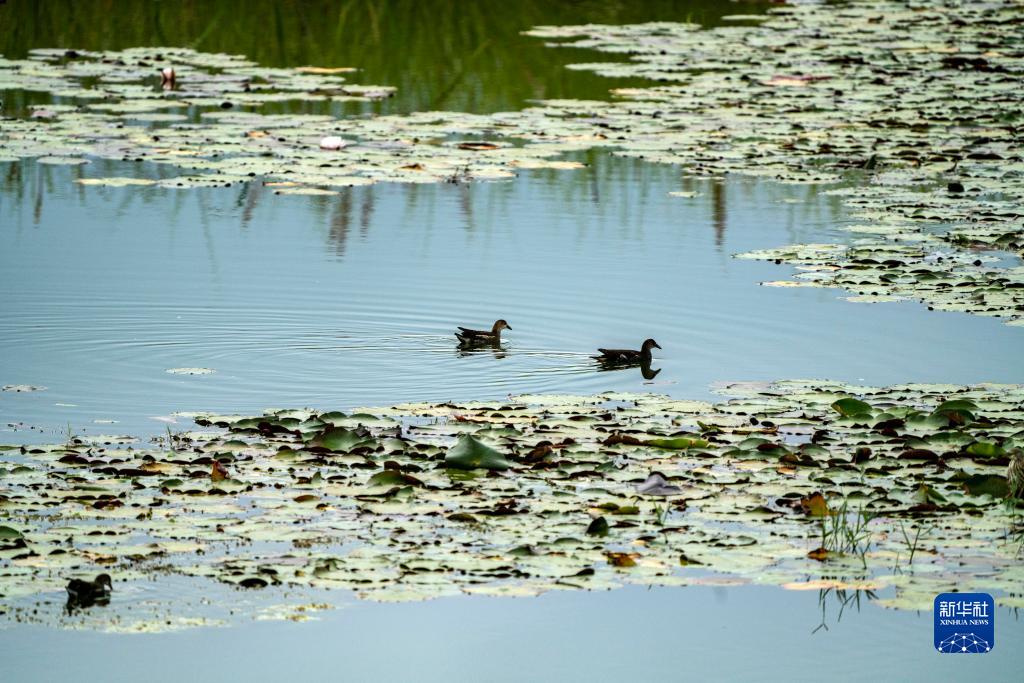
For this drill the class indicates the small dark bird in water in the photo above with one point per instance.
(83, 593)
(1015, 474)
(468, 336)
(628, 355)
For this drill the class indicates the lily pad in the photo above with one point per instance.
(468, 453)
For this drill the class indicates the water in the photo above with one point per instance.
(459, 56)
(632, 634)
(351, 301)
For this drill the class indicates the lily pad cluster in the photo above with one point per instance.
(533, 494)
(912, 110)
(915, 106)
(212, 123)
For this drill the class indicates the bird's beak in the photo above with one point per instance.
(507, 326)
(656, 345)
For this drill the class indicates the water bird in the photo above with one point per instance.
(468, 336)
(628, 355)
(84, 593)
(1015, 474)
(168, 79)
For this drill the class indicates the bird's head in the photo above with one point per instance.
(501, 325)
(650, 344)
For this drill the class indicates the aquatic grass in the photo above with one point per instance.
(661, 513)
(70, 437)
(912, 543)
(175, 440)
(845, 532)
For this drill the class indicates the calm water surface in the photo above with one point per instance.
(350, 301)
(750, 633)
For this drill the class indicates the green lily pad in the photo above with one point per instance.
(468, 454)
(851, 407)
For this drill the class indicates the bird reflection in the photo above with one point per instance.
(646, 370)
(474, 347)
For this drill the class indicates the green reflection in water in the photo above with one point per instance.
(466, 56)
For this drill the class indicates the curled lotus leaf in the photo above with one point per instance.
(851, 407)
(339, 439)
(469, 453)
(657, 485)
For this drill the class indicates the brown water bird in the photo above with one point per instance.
(468, 336)
(1015, 474)
(628, 355)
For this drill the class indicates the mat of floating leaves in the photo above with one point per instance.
(920, 104)
(535, 494)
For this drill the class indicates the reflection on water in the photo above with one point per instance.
(337, 302)
(841, 601)
(464, 56)
(646, 371)
(494, 348)
(698, 632)
(718, 207)
(350, 300)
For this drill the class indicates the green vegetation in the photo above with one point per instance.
(538, 493)
(464, 56)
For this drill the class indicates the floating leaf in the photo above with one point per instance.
(338, 439)
(679, 442)
(468, 453)
(657, 485)
(815, 505)
(622, 559)
(990, 484)
(851, 407)
(985, 449)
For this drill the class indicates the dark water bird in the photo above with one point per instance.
(623, 356)
(468, 336)
(82, 593)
